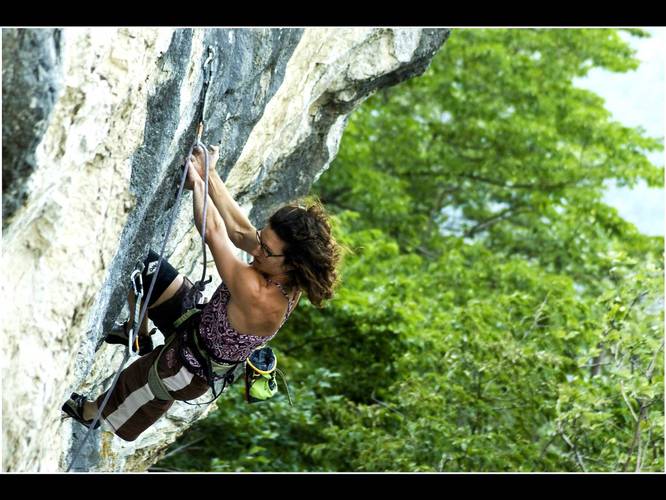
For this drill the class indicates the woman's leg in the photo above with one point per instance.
(167, 284)
(132, 407)
(171, 290)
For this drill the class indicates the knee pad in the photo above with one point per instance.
(165, 276)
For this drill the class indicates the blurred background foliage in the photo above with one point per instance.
(495, 314)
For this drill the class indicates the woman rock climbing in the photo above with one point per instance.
(294, 252)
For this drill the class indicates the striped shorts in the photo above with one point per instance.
(132, 407)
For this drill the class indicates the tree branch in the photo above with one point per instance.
(502, 215)
(537, 315)
(652, 364)
(504, 185)
(372, 397)
(426, 253)
(624, 396)
(560, 432)
(638, 454)
(637, 436)
(641, 414)
(543, 450)
(579, 459)
(181, 448)
(597, 360)
(645, 449)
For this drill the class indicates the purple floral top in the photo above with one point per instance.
(219, 338)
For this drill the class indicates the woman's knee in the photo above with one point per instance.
(167, 281)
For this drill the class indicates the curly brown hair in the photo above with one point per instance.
(310, 248)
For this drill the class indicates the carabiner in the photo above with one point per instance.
(138, 291)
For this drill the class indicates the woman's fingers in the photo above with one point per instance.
(198, 161)
(215, 154)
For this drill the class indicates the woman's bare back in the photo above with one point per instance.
(265, 317)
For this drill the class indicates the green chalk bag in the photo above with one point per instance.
(260, 370)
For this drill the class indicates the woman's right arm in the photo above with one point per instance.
(241, 231)
(239, 228)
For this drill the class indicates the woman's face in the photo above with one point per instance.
(268, 257)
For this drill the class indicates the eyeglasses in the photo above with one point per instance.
(265, 249)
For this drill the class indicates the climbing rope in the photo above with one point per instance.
(286, 386)
(138, 290)
(208, 71)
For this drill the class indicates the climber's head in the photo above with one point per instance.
(269, 256)
(300, 233)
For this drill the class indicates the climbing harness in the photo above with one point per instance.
(198, 286)
(259, 368)
(186, 327)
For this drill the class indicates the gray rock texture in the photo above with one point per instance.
(96, 123)
(30, 86)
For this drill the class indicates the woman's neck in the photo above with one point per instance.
(282, 278)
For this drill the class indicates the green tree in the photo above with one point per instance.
(496, 314)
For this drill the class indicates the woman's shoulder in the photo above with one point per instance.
(279, 299)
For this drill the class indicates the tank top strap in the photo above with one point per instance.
(281, 289)
(290, 302)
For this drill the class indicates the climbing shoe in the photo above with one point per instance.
(74, 408)
(119, 334)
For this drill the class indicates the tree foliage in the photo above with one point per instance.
(496, 314)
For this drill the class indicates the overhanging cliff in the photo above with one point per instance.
(96, 123)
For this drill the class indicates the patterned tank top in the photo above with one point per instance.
(219, 338)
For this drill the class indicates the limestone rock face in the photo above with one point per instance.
(96, 123)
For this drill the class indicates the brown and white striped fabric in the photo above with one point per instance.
(132, 407)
